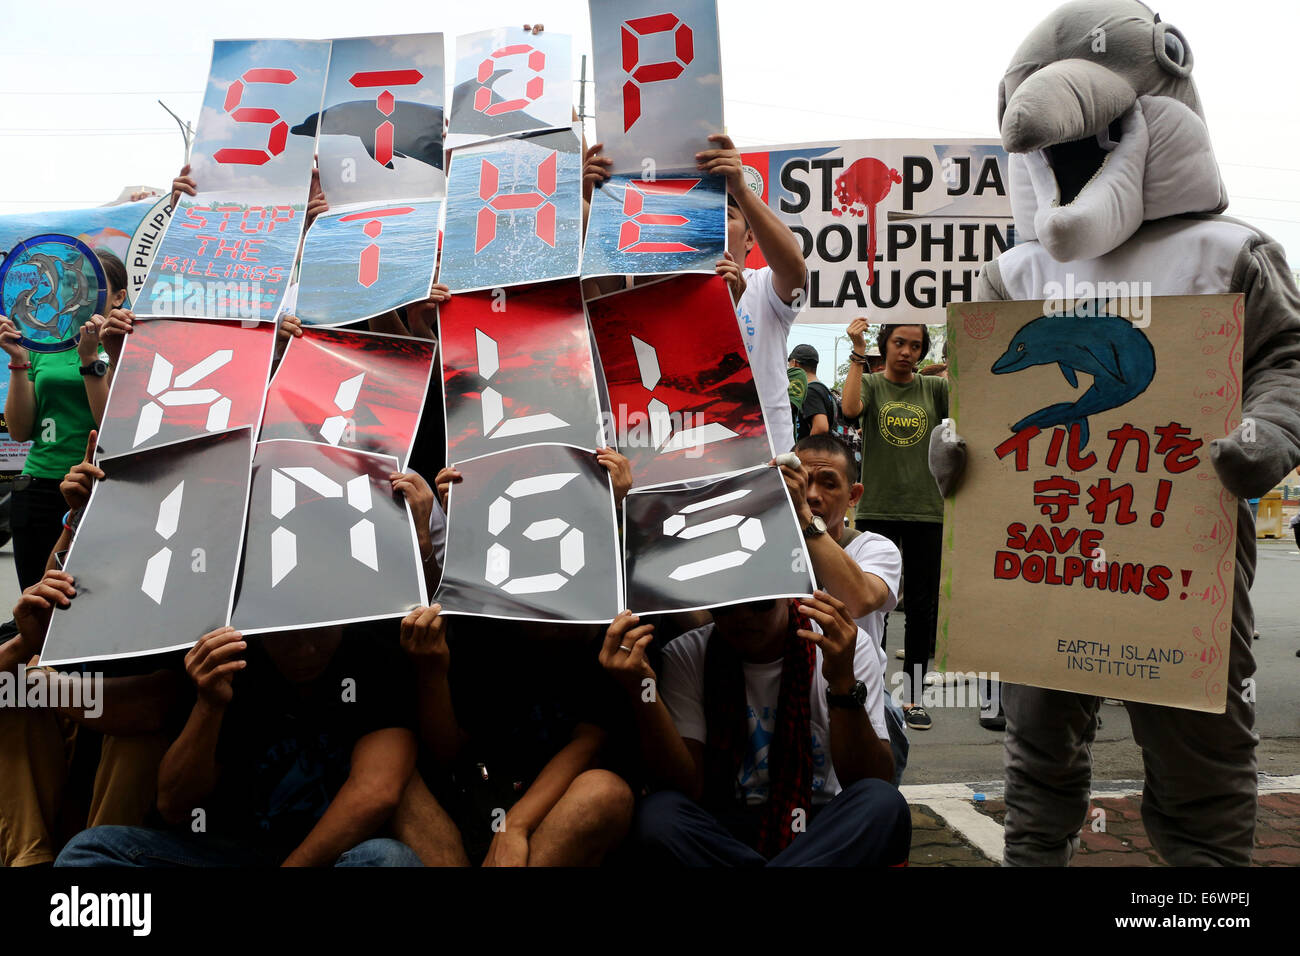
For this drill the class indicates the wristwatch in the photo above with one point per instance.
(853, 699)
(815, 527)
(97, 367)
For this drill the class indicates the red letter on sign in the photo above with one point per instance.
(368, 268)
(485, 230)
(683, 46)
(629, 234)
(385, 102)
(532, 92)
(246, 114)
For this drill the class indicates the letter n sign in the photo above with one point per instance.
(485, 230)
(683, 46)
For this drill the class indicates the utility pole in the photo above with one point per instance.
(187, 131)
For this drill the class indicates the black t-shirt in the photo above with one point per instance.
(285, 750)
(519, 699)
(819, 401)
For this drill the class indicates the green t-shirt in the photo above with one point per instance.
(62, 419)
(896, 423)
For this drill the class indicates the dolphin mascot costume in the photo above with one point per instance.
(1112, 178)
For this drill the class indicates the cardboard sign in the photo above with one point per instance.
(682, 392)
(1090, 546)
(891, 229)
(228, 252)
(380, 124)
(531, 535)
(709, 544)
(358, 390)
(656, 227)
(658, 82)
(178, 379)
(514, 212)
(510, 81)
(329, 541)
(517, 369)
(155, 555)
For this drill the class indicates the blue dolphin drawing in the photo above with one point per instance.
(1118, 356)
(417, 128)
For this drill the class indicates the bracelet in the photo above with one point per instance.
(19, 368)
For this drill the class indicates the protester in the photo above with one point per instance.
(766, 740)
(55, 399)
(294, 755)
(514, 777)
(818, 411)
(897, 410)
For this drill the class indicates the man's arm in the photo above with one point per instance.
(382, 762)
(130, 705)
(777, 242)
(672, 762)
(424, 639)
(820, 425)
(857, 752)
(189, 770)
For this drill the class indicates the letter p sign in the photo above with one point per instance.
(683, 47)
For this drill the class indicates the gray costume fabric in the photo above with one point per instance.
(1146, 214)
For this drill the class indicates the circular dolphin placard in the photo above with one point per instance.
(50, 286)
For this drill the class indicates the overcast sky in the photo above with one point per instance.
(79, 81)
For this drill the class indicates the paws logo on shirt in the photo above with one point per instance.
(903, 424)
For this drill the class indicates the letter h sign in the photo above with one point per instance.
(489, 190)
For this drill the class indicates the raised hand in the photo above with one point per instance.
(623, 653)
(213, 662)
(723, 161)
(184, 183)
(730, 269)
(80, 481)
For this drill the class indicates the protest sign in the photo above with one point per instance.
(658, 83)
(13, 454)
(178, 379)
(1090, 545)
(366, 261)
(171, 578)
(131, 231)
(656, 227)
(517, 368)
(514, 212)
(708, 544)
(229, 251)
(357, 390)
(891, 229)
(50, 285)
(682, 392)
(510, 81)
(380, 123)
(329, 541)
(532, 535)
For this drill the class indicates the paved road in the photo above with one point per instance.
(957, 749)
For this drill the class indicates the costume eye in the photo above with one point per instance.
(1020, 347)
(1172, 50)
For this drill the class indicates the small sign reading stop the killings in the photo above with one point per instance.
(517, 369)
(1091, 546)
(892, 229)
(179, 379)
(359, 390)
(729, 541)
(681, 388)
(531, 535)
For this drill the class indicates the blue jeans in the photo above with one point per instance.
(866, 824)
(141, 846)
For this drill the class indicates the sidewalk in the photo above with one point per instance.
(961, 825)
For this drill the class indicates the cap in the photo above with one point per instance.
(804, 354)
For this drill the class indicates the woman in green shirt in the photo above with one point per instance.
(55, 399)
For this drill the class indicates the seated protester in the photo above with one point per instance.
(42, 799)
(768, 737)
(818, 411)
(860, 568)
(764, 297)
(516, 725)
(296, 755)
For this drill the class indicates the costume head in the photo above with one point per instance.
(1104, 126)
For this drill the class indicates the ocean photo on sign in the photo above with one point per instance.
(639, 227)
(363, 262)
(514, 212)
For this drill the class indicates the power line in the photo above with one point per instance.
(96, 132)
(97, 92)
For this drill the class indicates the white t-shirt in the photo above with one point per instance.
(878, 555)
(765, 326)
(682, 688)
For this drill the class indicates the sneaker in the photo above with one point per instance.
(900, 654)
(934, 678)
(916, 718)
(994, 723)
